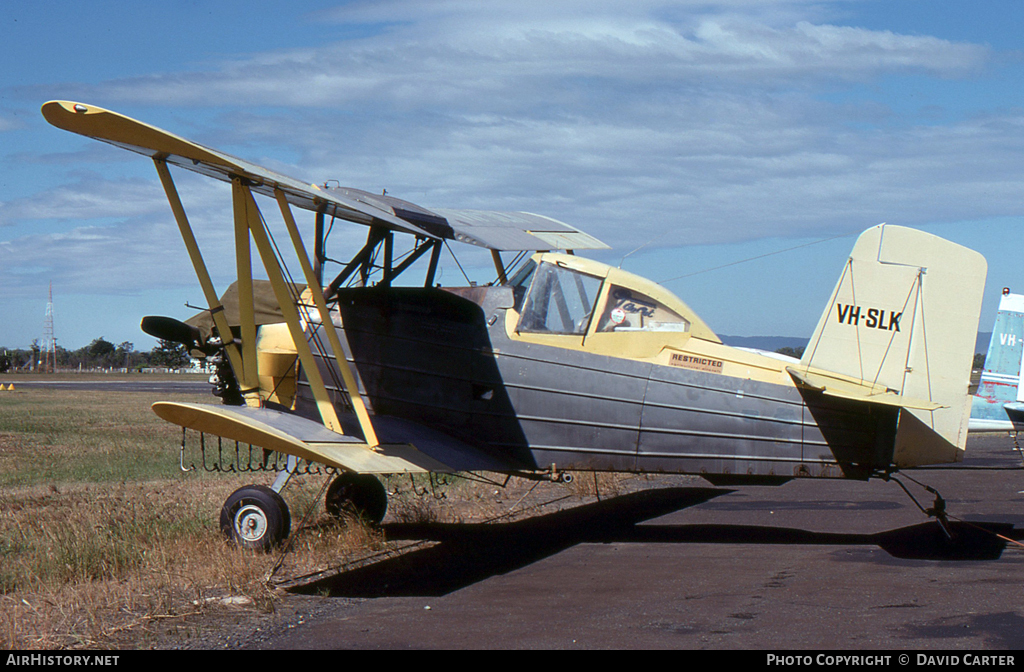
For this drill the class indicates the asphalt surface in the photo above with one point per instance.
(811, 565)
(138, 383)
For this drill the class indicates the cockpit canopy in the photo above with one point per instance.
(566, 294)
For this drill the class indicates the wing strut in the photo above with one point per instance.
(247, 212)
(363, 261)
(212, 300)
(248, 221)
(246, 311)
(499, 267)
(347, 376)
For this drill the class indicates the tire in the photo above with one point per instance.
(361, 495)
(255, 517)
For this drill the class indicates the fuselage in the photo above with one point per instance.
(453, 360)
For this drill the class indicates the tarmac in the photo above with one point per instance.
(135, 383)
(812, 565)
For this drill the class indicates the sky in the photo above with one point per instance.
(732, 150)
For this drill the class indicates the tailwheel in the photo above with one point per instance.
(255, 517)
(361, 495)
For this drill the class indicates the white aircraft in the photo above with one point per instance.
(998, 405)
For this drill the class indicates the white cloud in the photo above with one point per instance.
(122, 235)
(715, 170)
(477, 57)
(628, 120)
(89, 198)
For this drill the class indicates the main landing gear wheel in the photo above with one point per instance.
(255, 517)
(361, 495)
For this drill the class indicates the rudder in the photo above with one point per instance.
(904, 316)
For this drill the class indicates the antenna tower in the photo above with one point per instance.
(49, 363)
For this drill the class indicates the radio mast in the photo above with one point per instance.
(49, 363)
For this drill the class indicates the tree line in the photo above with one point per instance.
(100, 354)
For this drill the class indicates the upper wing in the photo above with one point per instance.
(494, 230)
(127, 133)
(517, 231)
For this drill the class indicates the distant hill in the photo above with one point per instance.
(769, 343)
(773, 343)
(981, 345)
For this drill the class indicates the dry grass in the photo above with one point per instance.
(104, 542)
(84, 563)
(110, 565)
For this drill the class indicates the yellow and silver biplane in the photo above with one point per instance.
(562, 364)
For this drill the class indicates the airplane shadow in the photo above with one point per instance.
(468, 553)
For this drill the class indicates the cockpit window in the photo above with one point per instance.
(520, 282)
(560, 301)
(629, 310)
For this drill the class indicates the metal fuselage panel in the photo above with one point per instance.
(443, 359)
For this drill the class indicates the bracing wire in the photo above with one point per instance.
(760, 256)
(314, 333)
(468, 281)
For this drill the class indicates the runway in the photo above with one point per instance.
(135, 383)
(811, 565)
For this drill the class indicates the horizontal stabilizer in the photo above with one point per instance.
(1015, 411)
(834, 386)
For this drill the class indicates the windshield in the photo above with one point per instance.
(520, 282)
(560, 301)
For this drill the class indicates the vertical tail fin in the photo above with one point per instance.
(999, 389)
(903, 320)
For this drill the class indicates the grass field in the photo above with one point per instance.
(104, 541)
(57, 436)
